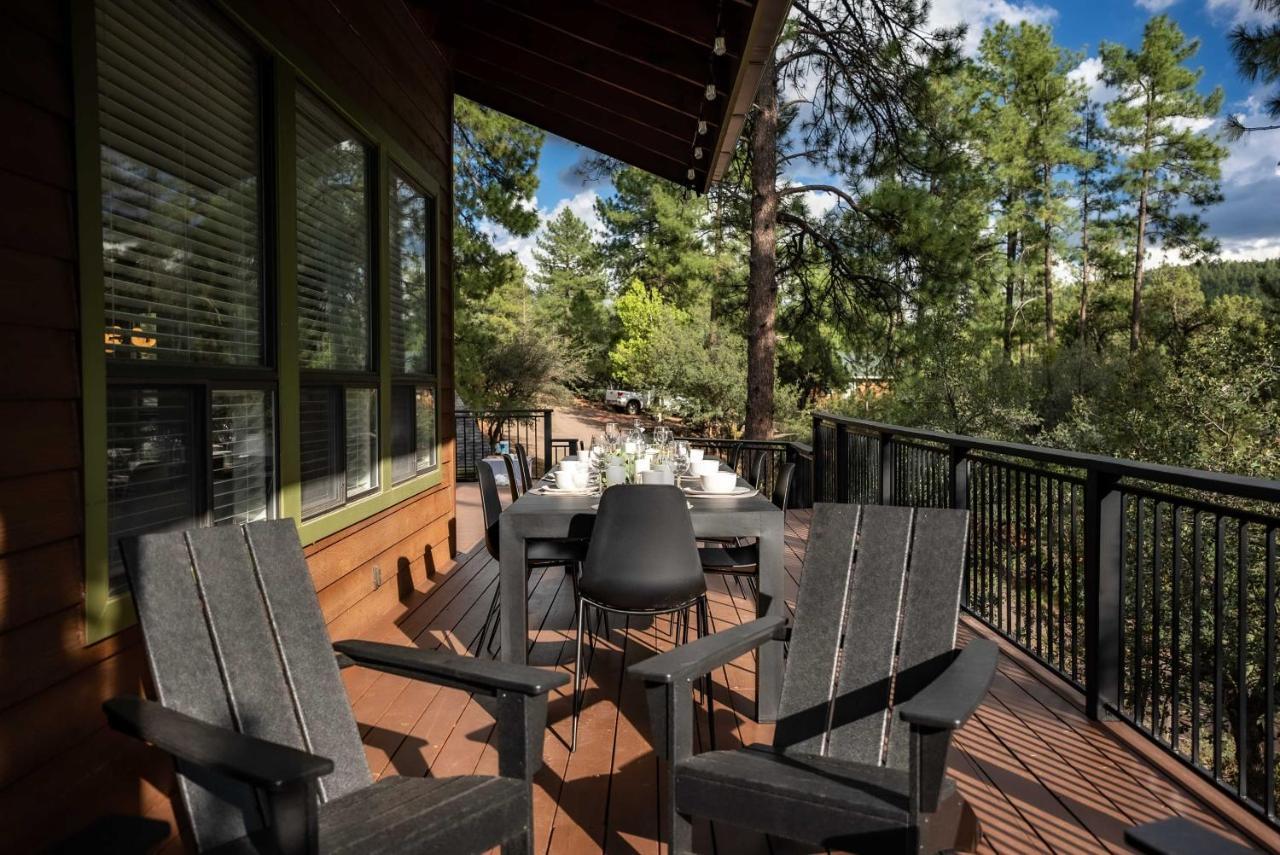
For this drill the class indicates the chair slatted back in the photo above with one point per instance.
(234, 636)
(875, 622)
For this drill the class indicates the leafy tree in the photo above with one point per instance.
(572, 289)
(495, 178)
(1168, 162)
(654, 232)
(1095, 191)
(1257, 53)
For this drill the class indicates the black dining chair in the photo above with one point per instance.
(522, 457)
(518, 486)
(757, 469)
(643, 560)
(538, 553)
(743, 560)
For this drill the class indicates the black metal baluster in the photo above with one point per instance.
(1242, 659)
(1269, 673)
(1197, 569)
(1062, 587)
(1156, 589)
(1175, 631)
(1136, 677)
(1076, 629)
(1219, 544)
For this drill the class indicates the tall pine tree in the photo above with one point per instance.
(1169, 164)
(572, 287)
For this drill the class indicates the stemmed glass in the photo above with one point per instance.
(661, 436)
(612, 435)
(679, 459)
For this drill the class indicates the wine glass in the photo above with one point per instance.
(679, 459)
(612, 435)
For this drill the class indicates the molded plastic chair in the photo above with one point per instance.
(642, 561)
(757, 469)
(872, 692)
(518, 486)
(526, 474)
(253, 711)
(538, 553)
(742, 560)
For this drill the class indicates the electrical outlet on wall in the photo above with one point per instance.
(377, 576)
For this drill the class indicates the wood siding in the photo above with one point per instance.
(60, 767)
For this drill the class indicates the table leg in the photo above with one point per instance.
(771, 601)
(514, 632)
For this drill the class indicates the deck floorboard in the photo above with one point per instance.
(1040, 775)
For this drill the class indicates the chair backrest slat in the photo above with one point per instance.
(931, 613)
(875, 622)
(860, 713)
(815, 640)
(321, 702)
(234, 636)
(187, 674)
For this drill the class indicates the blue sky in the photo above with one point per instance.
(1247, 222)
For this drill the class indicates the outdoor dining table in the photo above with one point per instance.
(534, 517)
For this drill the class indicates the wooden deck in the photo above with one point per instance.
(1040, 775)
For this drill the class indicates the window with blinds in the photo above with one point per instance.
(153, 466)
(178, 101)
(413, 431)
(179, 95)
(321, 444)
(412, 335)
(334, 327)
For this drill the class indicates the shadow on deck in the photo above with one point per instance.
(1041, 776)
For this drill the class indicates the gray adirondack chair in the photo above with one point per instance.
(873, 641)
(253, 710)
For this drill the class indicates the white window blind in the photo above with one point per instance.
(410, 266)
(153, 466)
(322, 487)
(178, 97)
(333, 240)
(242, 444)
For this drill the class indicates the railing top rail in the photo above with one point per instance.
(469, 412)
(1262, 489)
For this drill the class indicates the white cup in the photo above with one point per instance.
(566, 480)
(570, 465)
(706, 467)
(719, 482)
(615, 475)
(580, 478)
(695, 455)
(629, 447)
(642, 465)
(657, 476)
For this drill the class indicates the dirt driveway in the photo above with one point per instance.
(584, 419)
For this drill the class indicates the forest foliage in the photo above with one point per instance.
(1016, 261)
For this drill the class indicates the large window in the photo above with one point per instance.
(413, 411)
(335, 330)
(189, 441)
(240, 268)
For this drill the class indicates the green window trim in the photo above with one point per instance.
(285, 68)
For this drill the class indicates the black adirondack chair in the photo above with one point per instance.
(873, 641)
(253, 710)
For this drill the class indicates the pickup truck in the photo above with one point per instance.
(628, 400)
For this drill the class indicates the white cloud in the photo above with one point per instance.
(1089, 73)
(1234, 12)
(977, 15)
(583, 206)
(1155, 5)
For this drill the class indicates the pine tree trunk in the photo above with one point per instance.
(1135, 316)
(1011, 255)
(1083, 321)
(762, 285)
(1048, 260)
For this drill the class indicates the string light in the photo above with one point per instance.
(697, 152)
(719, 47)
(691, 174)
(702, 127)
(711, 92)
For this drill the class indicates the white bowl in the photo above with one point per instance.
(657, 476)
(695, 455)
(706, 467)
(719, 482)
(570, 464)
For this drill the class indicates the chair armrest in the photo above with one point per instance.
(257, 762)
(451, 669)
(709, 652)
(948, 701)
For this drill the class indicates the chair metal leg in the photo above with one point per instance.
(577, 676)
(489, 630)
(704, 629)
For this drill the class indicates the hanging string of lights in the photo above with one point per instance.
(718, 49)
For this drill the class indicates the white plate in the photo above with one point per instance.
(552, 490)
(737, 493)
